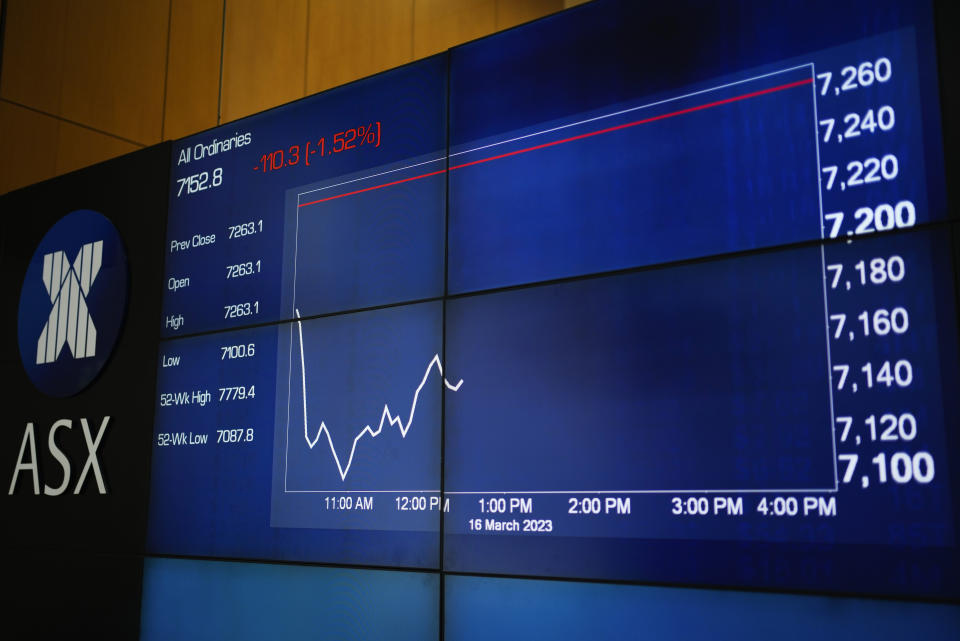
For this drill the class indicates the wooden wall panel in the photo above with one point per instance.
(28, 147)
(441, 24)
(79, 147)
(193, 67)
(510, 13)
(137, 71)
(114, 66)
(264, 55)
(33, 54)
(351, 40)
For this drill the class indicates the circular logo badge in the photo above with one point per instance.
(72, 303)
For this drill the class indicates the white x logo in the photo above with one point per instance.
(69, 321)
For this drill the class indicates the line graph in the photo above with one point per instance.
(565, 165)
(386, 416)
(358, 432)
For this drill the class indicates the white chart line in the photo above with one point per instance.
(823, 263)
(816, 490)
(296, 253)
(363, 491)
(377, 175)
(558, 128)
(385, 417)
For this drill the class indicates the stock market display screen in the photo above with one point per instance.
(638, 293)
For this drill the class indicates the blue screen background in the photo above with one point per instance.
(186, 599)
(480, 608)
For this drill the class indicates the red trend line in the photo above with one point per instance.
(590, 134)
(360, 191)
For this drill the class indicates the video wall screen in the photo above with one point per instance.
(651, 294)
(191, 599)
(563, 610)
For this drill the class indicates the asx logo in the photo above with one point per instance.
(68, 286)
(28, 446)
(62, 347)
(71, 313)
